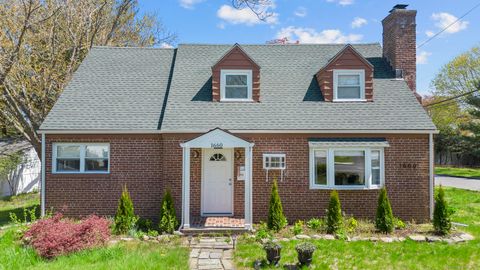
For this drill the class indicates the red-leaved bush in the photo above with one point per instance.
(56, 236)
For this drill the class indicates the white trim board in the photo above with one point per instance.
(256, 131)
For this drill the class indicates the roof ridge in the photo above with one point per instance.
(131, 47)
(259, 44)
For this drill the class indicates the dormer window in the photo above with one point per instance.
(349, 85)
(236, 85)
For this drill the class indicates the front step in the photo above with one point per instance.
(214, 230)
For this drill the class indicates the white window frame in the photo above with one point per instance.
(337, 72)
(83, 147)
(331, 168)
(283, 156)
(223, 80)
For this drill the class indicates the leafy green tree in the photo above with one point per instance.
(8, 170)
(276, 218)
(441, 214)
(384, 221)
(125, 218)
(168, 218)
(334, 214)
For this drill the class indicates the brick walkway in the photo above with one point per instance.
(211, 253)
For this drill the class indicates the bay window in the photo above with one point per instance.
(81, 158)
(346, 167)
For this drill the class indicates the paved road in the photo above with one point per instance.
(464, 183)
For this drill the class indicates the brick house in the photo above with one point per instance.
(215, 124)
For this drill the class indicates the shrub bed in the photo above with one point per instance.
(56, 236)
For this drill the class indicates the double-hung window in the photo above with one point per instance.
(349, 85)
(346, 167)
(236, 85)
(81, 158)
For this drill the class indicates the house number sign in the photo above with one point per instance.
(408, 165)
(217, 145)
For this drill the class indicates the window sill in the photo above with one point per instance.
(346, 187)
(350, 100)
(94, 172)
(236, 100)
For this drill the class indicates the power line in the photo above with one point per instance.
(452, 98)
(448, 26)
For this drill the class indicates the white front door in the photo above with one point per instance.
(217, 182)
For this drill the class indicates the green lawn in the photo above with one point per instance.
(16, 204)
(462, 172)
(400, 255)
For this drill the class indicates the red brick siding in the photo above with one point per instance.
(348, 59)
(149, 164)
(236, 59)
(399, 43)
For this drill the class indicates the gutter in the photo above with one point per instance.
(42, 193)
(431, 172)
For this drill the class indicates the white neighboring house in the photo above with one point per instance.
(27, 175)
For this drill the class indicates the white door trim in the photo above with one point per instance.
(230, 157)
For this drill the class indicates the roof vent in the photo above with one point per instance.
(399, 6)
(399, 74)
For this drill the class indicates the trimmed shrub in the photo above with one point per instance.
(315, 224)
(168, 218)
(276, 218)
(334, 214)
(144, 224)
(384, 221)
(55, 236)
(441, 214)
(125, 218)
(399, 224)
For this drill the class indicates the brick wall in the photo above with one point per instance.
(399, 43)
(148, 164)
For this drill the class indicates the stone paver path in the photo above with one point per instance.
(211, 253)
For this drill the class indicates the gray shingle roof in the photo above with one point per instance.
(114, 88)
(290, 97)
(124, 89)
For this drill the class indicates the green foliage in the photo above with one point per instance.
(276, 218)
(8, 165)
(298, 227)
(441, 214)
(168, 218)
(334, 214)
(305, 247)
(399, 224)
(263, 232)
(29, 215)
(351, 225)
(125, 218)
(144, 224)
(384, 219)
(315, 224)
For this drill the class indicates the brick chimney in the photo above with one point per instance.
(399, 43)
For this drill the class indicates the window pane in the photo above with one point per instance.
(236, 92)
(70, 151)
(348, 92)
(236, 80)
(68, 165)
(96, 165)
(320, 167)
(348, 80)
(349, 167)
(375, 167)
(97, 151)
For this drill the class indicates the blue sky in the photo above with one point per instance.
(324, 21)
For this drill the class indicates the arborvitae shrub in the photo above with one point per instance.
(334, 214)
(441, 214)
(168, 218)
(125, 218)
(276, 218)
(384, 221)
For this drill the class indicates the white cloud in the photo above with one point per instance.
(342, 2)
(300, 12)
(243, 16)
(429, 33)
(189, 4)
(166, 45)
(422, 57)
(358, 22)
(309, 35)
(444, 19)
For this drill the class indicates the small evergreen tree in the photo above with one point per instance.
(384, 221)
(441, 214)
(168, 218)
(334, 214)
(125, 218)
(276, 218)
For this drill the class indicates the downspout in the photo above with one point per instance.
(183, 186)
(431, 172)
(42, 192)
